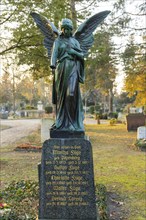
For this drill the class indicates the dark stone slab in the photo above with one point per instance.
(66, 134)
(66, 179)
(135, 120)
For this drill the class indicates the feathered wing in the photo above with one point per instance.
(48, 29)
(84, 34)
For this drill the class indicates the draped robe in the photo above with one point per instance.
(66, 95)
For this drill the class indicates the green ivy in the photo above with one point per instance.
(22, 198)
(141, 144)
(102, 201)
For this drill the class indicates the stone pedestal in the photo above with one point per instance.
(66, 180)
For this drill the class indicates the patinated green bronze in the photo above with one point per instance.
(67, 53)
(68, 60)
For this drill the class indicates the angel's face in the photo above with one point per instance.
(66, 31)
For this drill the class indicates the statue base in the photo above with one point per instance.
(66, 134)
(66, 180)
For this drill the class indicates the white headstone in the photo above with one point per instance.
(40, 106)
(45, 125)
(132, 110)
(141, 132)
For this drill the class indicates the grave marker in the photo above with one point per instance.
(67, 181)
(141, 132)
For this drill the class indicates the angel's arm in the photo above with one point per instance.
(54, 55)
(76, 51)
(80, 55)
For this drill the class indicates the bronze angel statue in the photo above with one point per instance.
(66, 51)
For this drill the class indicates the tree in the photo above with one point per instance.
(135, 81)
(101, 66)
(6, 88)
(25, 41)
(122, 100)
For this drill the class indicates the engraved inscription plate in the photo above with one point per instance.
(66, 180)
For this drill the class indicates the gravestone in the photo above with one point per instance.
(135, 120)
(66, 180)
(40, 106)
(141, 132)
(45, 125)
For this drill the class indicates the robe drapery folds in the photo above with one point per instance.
(66, 92)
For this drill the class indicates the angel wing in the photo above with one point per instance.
(84, 34)
(48, 29)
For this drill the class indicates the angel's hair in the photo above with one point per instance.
(66, 23)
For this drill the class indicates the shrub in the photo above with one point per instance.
(103, 116)
(94, 109)
(113, 115)
(113, 121)
(29, 107)
(91, 110)
(48, 109)
(141, 144)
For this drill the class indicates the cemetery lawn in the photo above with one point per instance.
(3, 127)
(120, 167)
(117, 165)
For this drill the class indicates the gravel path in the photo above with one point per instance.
(22, 128)
(17, 130)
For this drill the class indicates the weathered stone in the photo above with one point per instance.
(141, 132)
(66, 180)
(134, 121)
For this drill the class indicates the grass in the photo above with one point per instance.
(120, 168)
(15, 165)
(117, 165)
(3, 127)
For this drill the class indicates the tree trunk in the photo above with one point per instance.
(73, 13)
(110, 100)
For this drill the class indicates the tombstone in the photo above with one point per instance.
(40, 106)
(135, 120)
(132, 110)
(4, 115)
(66, 180)
(45, 125)
(141, 132)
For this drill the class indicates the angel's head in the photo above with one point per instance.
(66, 27)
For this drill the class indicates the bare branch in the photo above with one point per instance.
(82, 9)
(135, 14)
(7, 18)
(19, 47)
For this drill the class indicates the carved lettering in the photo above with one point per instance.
(66, 177)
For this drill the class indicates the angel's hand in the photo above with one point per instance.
(71, 51)
(53, 71)
(80, 55)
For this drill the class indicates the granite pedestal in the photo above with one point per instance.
(66, 180)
